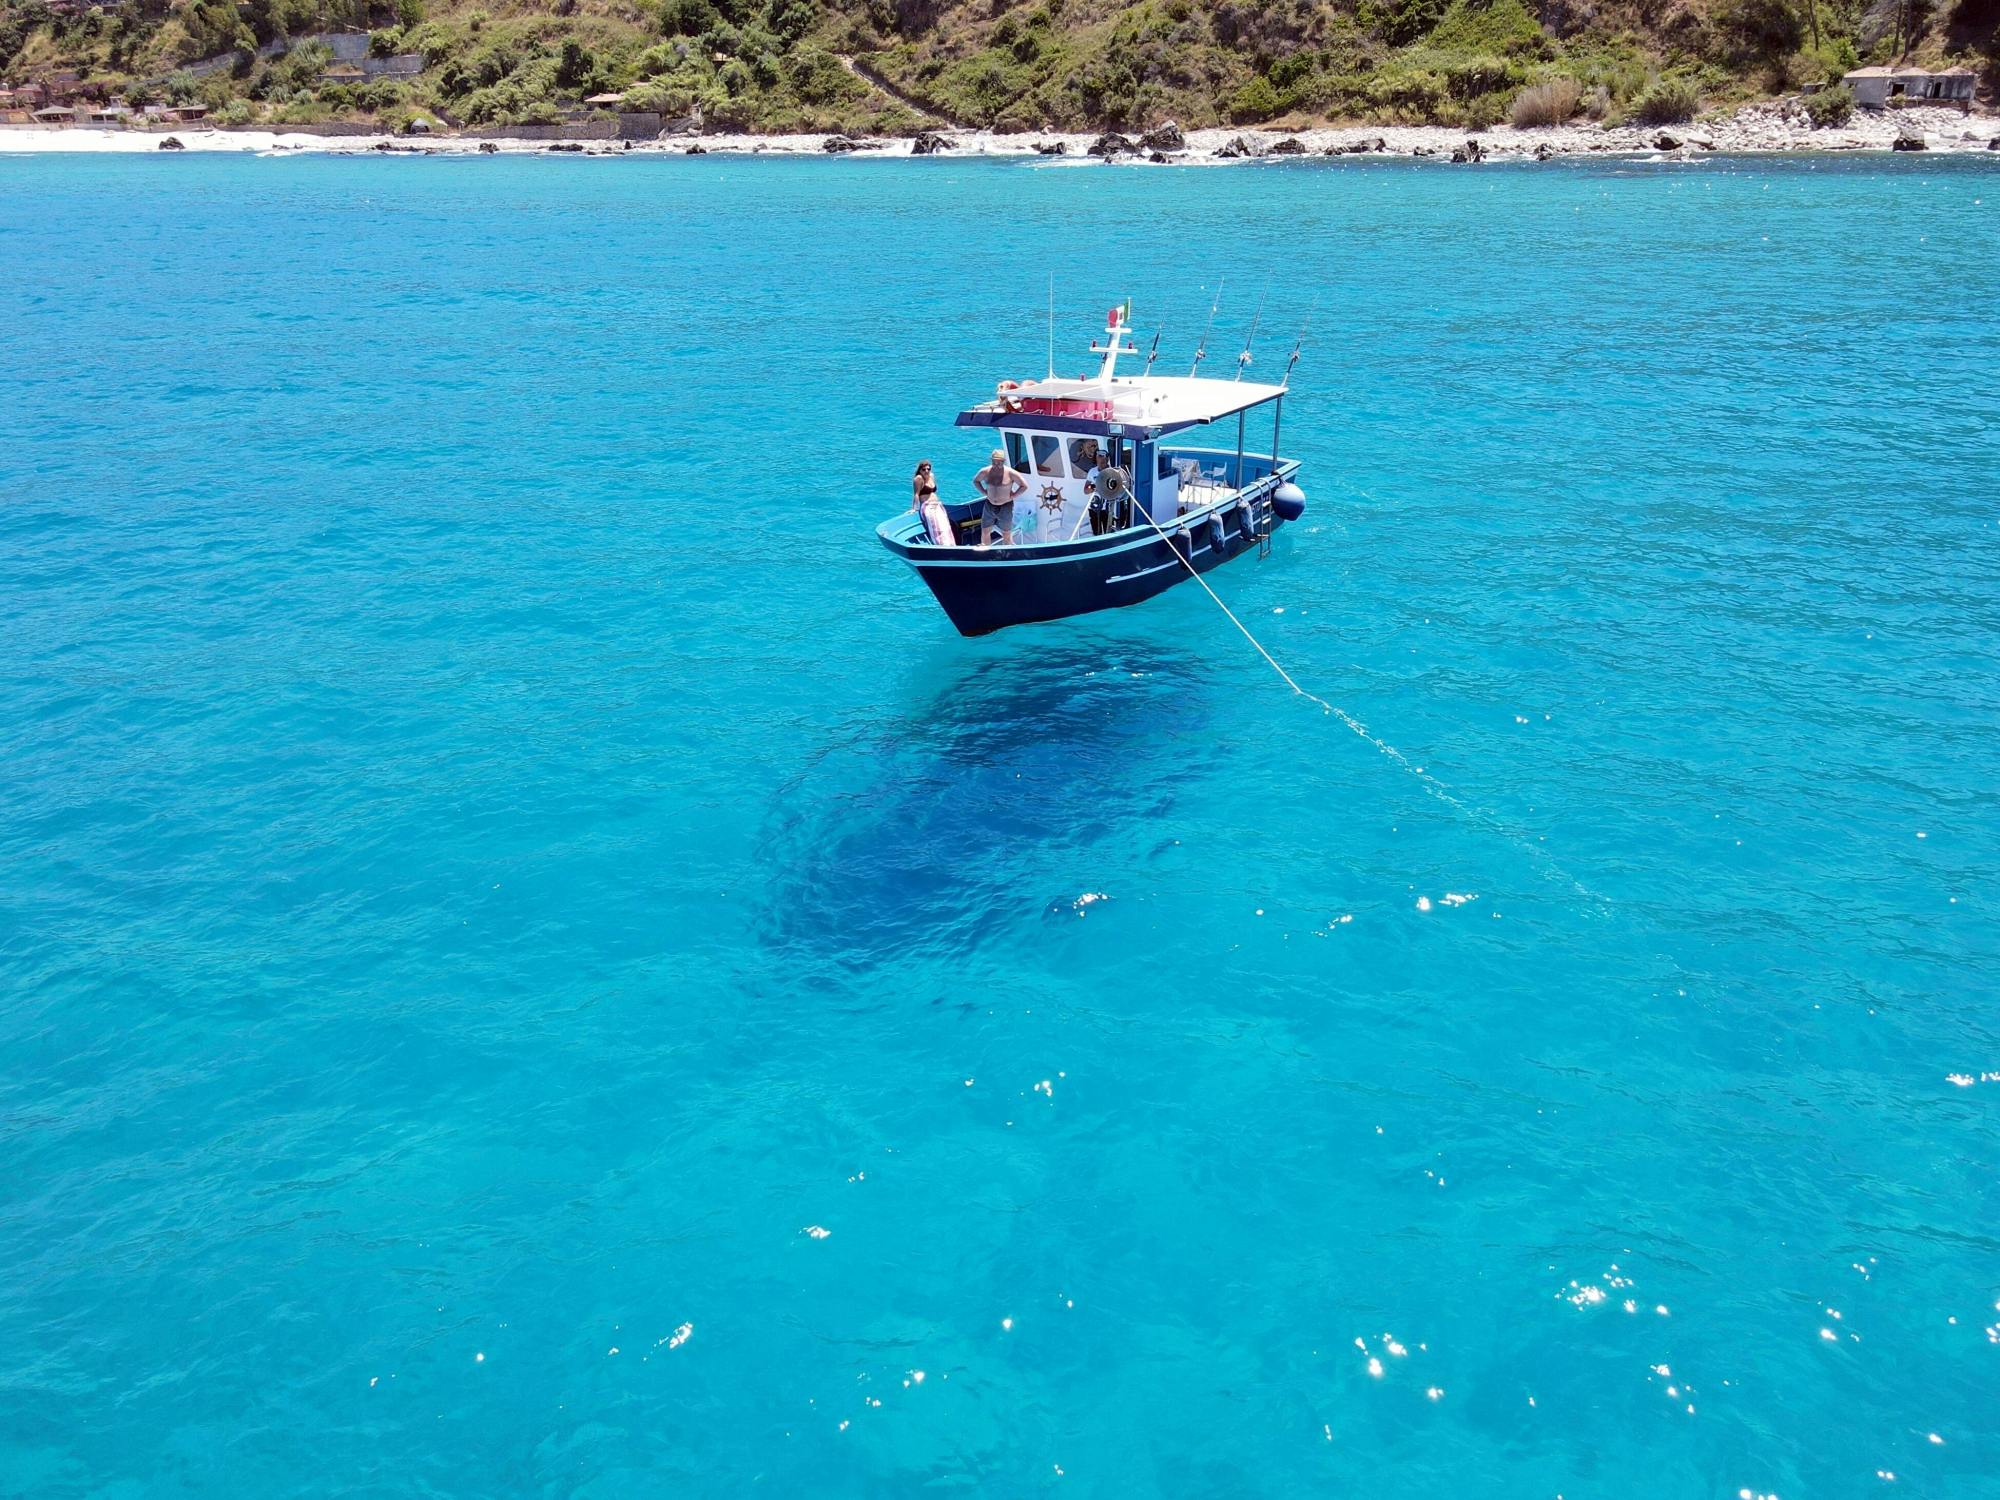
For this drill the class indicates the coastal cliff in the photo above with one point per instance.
(901, 66)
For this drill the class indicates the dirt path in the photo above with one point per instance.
(876, 81)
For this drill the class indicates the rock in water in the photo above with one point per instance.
(1470, 152)
(1238, 149)
(930, 143)
(838, 143)
(1111, 144)
(1994, 144)
(1665, 142)
(1158, 158)
(697, 149)
(1052, 148)
(487, 148)
(173, 143)
(1545, 152)
(1167, 137)
(1908, 141)
(1291, 145)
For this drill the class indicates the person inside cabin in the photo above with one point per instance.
(998, 485)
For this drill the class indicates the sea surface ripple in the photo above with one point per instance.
(532, 961)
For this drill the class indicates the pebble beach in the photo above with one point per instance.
(1780, 126)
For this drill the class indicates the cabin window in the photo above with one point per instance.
(1017, 452)
(1048, 456)
(1166, 468)
(1084, 455)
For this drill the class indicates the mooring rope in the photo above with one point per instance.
(1429, 782)
(1195, 574)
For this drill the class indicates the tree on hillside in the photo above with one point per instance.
(1759, 28)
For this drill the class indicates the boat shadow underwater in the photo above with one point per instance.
(933, 833)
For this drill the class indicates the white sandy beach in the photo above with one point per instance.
(1771, 127)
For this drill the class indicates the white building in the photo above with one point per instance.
(1876, 88)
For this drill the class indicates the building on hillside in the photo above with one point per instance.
(111, 115)
(55, 114)
(54, 88)
(1880, 87)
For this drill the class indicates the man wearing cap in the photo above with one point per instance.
(998, 484)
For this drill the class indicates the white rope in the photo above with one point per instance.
(1429, 782)
(1195, 574)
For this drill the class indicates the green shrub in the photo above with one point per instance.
(1482, 113)
(792, 19)
(1418, 95)
(1408, 21)
(818, 78)
(1831, 107)
(1470, 77)
(1105, 91)
(1670, 101)
(437, 42)
(1253, 102)
(1550, 103)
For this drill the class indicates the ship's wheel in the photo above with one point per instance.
(1052, 499)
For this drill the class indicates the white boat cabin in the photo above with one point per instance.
(1057, 433)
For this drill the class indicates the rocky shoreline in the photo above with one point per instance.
(1780, 126)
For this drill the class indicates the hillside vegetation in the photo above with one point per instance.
(894, 65)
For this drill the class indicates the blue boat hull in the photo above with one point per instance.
(985, 591)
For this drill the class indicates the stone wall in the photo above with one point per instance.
(636, 126)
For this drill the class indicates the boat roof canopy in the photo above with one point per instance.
(1161, 403)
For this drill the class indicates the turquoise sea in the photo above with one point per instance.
(534, 962)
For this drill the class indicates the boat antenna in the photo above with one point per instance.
(1243, 359)
(1052, 325)
(1201, 349)
(1153, 353)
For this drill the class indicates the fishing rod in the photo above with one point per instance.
(1243, 359)
(1297, 344)
(1201, 349)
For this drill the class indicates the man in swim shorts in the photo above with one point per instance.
(999, 485)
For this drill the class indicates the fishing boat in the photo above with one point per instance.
(1167, 504)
